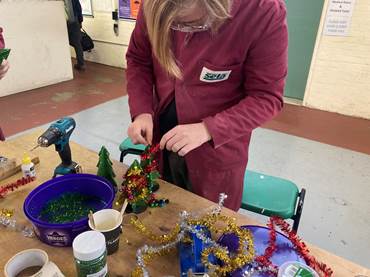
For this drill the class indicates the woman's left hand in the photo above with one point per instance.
(184, 138)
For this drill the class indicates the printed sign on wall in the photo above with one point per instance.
(86, 7)
(129, 9)
(339, 17)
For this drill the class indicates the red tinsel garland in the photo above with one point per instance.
(264, 260)
(149, 153)
(153, 166)
(298, 244)
(15, 185)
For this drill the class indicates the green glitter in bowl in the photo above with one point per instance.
(69, 207)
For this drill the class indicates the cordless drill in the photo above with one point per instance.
(59, 133)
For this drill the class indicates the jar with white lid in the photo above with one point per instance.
(90, 254)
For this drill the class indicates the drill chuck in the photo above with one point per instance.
(43, 142)
(51, 136)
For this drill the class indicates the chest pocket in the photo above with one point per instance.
(210, 73)
(208, 78)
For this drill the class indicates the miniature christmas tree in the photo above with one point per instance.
(139, 183)
(105, 168)
(134, 188)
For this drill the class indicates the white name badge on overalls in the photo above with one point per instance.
(211, 76)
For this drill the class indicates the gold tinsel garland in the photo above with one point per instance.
(170, 237)
(6, 213)
(245, 253)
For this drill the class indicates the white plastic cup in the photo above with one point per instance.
(109, 223)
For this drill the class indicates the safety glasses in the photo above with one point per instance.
(190, 28)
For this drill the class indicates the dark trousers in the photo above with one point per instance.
(2, 137)
(74, 36)
(175, 170)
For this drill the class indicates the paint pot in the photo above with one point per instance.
(109, 223)
(31, 263)
(90, 254)
(28, 167)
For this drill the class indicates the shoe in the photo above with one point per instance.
(79, 67)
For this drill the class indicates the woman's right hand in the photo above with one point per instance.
(141, 130)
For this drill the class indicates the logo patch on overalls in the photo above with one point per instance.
(211, 76)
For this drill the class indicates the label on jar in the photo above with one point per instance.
(93, 268)
(29, 172)
(101, 273)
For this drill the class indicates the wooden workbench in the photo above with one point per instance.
(122, 262)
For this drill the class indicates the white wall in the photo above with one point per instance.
(37, 34)
(109, 48)
(339, 78)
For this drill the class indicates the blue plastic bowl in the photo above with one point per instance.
(63, 234)
(284, 253)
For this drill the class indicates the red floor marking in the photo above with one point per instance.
(96, 85)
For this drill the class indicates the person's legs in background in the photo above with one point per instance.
(2, 136)
(74, 35)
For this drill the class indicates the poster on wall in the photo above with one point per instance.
(86, 7)
(129, 9)
(339, 17)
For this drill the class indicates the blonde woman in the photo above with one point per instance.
(202, 74)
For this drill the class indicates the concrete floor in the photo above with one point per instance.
(336, 214)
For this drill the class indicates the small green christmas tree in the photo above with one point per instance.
(139, 183)
(105, 168)
(134, 188)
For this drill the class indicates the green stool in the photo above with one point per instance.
(268, 195)
(127, 147)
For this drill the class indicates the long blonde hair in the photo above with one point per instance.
(160, 15)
